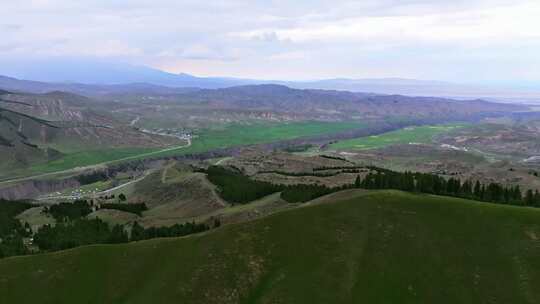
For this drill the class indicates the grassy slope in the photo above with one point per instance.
(422, 134)
(371, 247)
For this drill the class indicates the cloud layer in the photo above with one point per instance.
(466, 41)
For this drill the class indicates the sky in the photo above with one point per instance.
(466, 41)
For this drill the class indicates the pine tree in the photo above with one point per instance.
(466, 189)
(118, 235)
(506, 195)
(517, 196)
(357, 182)
(529, 198)
(477, 190)
(536, 199)
(137, 232)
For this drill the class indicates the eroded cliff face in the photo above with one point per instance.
(30, 189)
(33, 188)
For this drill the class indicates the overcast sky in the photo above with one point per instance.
(453, 40)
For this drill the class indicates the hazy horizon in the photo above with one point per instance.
(476, 42)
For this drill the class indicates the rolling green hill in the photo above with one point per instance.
(363, 247)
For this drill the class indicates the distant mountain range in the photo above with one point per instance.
(332, 104)
(98, 78)
(91, 90)
(105, 73)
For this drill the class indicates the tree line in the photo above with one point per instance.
(12, 231)
(81, 208)
(379, 178)
(433, 184)
(73, 229)
(79, 232)
(137, 208)
(302, 193)
(238, 188)
(298, 174)
(70, 211)
(74, 233)
(139, 233)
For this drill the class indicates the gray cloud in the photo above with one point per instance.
(11, 27)
(286, 39)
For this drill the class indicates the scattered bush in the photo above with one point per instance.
(132, 208)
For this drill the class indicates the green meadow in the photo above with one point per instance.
(85, 158)
(238, 135)
(421, 134)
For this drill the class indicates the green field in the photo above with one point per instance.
(208, 139)
(421, 134)
(237, 135)
(369, 247)
(86, 158)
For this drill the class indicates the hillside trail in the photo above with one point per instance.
(165, 171)
(126, 184)
(223, 160)
(134, 121)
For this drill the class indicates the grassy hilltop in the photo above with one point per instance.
(364, 247)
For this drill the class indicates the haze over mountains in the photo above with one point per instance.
(95, 78)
